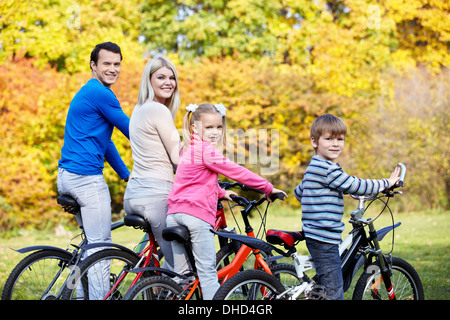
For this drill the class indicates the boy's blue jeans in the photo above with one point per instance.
(328, 267)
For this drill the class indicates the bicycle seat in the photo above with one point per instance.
(178, 233)
(136, 221)
(286, 238)
(68, 203)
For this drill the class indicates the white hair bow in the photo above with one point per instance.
(192, 107)
(221, 108)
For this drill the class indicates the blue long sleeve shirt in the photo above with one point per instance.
(92, 116)
(321, 195)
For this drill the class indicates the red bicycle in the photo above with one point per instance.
(159, 287)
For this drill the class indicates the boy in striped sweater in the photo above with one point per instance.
(321, 195)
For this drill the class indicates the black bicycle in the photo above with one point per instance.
(42, 274)
(383, 276)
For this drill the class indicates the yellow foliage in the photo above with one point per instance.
(382, 66)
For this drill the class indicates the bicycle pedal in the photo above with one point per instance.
(318, 292)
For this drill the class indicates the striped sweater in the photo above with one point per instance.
(321, 195)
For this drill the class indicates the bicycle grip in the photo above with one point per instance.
(275, 196)
(239, 200)
(401, 181)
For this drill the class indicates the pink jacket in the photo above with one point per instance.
(195, 188)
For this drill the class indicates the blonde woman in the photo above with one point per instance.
(155, 145)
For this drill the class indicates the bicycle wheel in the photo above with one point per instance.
(225, 255)
(250, 285)
(154, 288)
(31, 278)
(98, 273)
(286, 274)
(406, 283)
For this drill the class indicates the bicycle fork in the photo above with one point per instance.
(384, 268)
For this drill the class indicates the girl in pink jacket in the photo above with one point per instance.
(195, 192)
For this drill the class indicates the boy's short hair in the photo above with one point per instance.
(327, 123)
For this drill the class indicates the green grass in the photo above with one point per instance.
(422, 240)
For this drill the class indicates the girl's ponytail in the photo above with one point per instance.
(186, 130)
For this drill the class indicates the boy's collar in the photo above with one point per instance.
(325, 160)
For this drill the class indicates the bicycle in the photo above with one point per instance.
(359, 249)
(162, 287)
(42, 274)
(121, 261)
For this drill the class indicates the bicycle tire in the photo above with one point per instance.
(154, 288)
(84, 283)
(225, 255)
(286, 274)
(406, 283)
(245, 285)
(42, 271)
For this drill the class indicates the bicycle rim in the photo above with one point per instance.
(406, 284)
(250, 285)
(40, 276)
(155, 288)
(99, 273)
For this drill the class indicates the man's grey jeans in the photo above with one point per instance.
(92, 194)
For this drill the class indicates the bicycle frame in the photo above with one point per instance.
(148, 255)
(231, 269)
(368, 248)
(241, 256)
(238, 261)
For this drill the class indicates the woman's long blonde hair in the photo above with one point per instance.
(146, 92)
(192, 117)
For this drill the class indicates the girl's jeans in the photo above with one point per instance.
(203, 248)
(92, 194)
(328, 267)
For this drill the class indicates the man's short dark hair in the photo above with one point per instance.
(110, 46)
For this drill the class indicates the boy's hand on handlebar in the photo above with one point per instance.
(275, 191)
(228, 193)
(395, 176)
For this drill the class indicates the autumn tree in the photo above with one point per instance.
(382, 66)
(63, 33)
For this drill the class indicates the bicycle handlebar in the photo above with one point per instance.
(240, 200)
(229, 185)
(244, 202)
(401, 182)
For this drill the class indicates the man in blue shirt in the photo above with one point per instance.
(92, 116)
